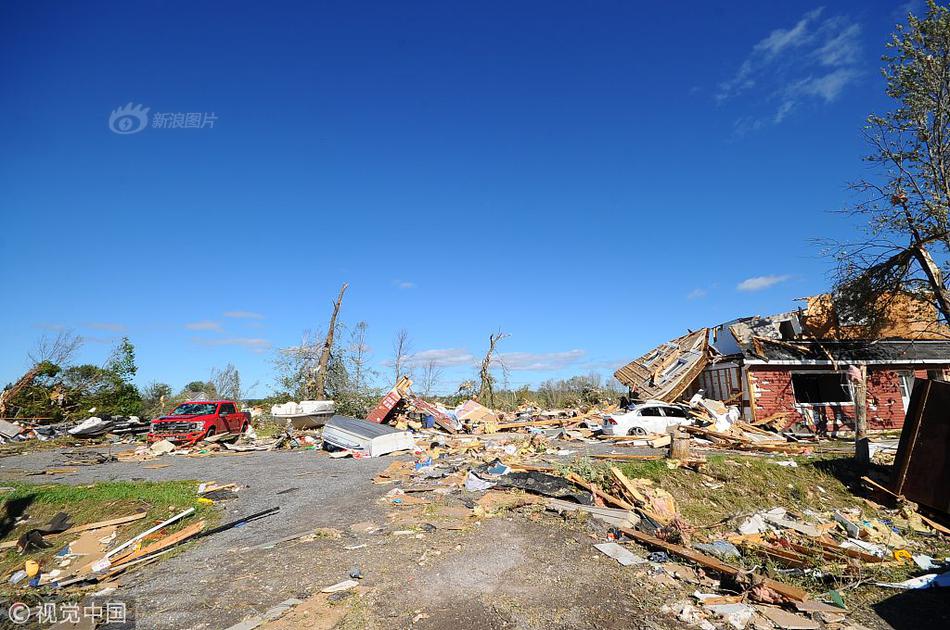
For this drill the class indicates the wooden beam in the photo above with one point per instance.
(786, 590)
(598, 492)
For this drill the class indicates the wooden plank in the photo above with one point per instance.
(164, 543)
(627, 485)
(786, 590)
(598, 492)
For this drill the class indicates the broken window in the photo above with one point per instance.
(817, 388)
(650, 358)
(674, 367)
(650, 411)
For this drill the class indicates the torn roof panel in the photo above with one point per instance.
(665, 372)
(780, 326)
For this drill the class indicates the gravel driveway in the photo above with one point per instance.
(221, 580)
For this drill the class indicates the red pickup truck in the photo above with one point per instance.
(195, 420)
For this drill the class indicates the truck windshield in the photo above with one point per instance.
(194, 409)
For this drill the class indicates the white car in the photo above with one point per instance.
(651, 416)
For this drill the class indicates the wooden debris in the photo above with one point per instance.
(793, 593)
(162, 544)
(597, 492)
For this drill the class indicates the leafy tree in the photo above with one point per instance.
(906, 204)
(227, 382)
(156, 398)
(122, 361)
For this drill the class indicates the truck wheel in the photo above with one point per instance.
(209, 433)
(245, 427)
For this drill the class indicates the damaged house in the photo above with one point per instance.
(791, 369)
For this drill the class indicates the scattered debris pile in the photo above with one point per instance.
(94, 554)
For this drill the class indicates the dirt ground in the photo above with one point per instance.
(503, 572)
(423, 566)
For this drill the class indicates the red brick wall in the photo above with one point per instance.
(772, 393)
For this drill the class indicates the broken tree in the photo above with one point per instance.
(320, 386)
(486, 387)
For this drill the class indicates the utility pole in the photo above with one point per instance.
(321, 380)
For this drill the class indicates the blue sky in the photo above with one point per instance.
(592, 178)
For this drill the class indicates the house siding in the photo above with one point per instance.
(772, 392)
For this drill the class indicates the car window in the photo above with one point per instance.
(650, 411)
(227, 408)
(193, 409)
(674, 412)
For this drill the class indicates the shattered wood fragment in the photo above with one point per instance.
(594, 490)
(611, 516)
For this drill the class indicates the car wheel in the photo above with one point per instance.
(636, 431)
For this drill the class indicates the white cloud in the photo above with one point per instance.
(841, 48)
(759, 283)
(50, 327)
(107, 326)
(243, 315)
(540, 361)
(696, 294)
(442, 357)
(828, 87)
(812, 61)
(205, 325)
(253, 344)
(783, 111)
(404, 284)
(782, 39)
(96, 339)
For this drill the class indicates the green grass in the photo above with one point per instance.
(715, 500)
(87, 504)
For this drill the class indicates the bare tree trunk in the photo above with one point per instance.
(431, 375)
(861, 452)
(358, 352)
(935, 277)
(327, 346)
(485, 372)
(401, 350)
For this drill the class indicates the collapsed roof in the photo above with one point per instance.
(665, 372)
(819, 333)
